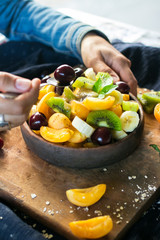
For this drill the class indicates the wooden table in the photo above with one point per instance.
(28, 182)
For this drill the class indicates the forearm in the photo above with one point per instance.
(27, 20)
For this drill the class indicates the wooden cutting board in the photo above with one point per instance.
(132, 184)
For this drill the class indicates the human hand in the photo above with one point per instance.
(15, 111)
(99, 54)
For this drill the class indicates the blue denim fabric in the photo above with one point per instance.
(13, 228)
(26, 20)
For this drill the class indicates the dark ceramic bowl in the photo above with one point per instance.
(84, 157)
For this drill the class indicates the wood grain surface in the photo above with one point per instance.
(132, 184)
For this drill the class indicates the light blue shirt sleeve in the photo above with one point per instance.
(28, 21)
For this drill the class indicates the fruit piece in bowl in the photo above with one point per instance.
(94, 116)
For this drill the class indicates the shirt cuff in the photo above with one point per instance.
(75, 36)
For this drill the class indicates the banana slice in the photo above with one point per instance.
(82, 126)
(130, 120)
(119, 134)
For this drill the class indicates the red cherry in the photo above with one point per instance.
(64, 74)
(37, 120)
(123, 87)
(101, 136)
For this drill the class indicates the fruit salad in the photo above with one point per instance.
(79, 108)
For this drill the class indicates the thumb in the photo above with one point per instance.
(12, 83)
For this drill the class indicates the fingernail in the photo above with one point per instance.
(23, 84)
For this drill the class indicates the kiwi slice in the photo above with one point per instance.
(68, 94)
(147, 107)
(152, 97)
(83, 82)
(104, 118)
(59, 105)
(105, 77)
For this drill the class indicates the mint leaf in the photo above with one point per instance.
(103, 79)
(155, 147)
(106, 90)
(97, 86)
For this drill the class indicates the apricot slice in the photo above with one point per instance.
(126, 97)
(98, 104)
(43, 107)
(86, 196)
(56, 135)
(79, 109)
(77, 137)
(59, 121)
(117, 109)
(44, 90)
(92, 228)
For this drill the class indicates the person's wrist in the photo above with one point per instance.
(94, 34)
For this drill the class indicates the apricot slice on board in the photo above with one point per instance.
(98, 104)
(86, 196)
(56, 135)
(43, 107)
(92, 228)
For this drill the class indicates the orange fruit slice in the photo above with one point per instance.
(117, 109)
(43, 107)
(77, 137)
(56, 135)
(157, 112)
(78, 109)
(98, 104)
(92, 228)
(86, 196)
(44, 90)
(126, 97)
